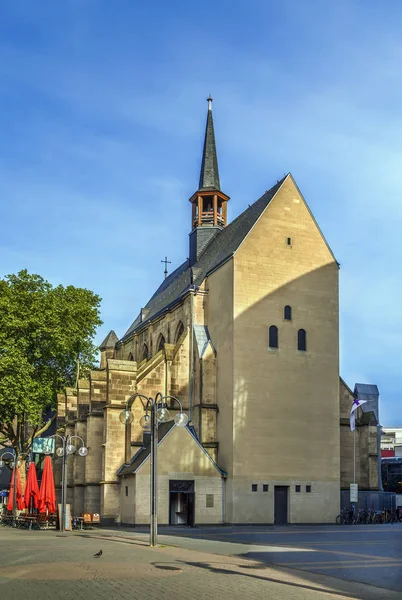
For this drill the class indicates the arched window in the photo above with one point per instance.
(273, 336)
(302, 340)
(287, 313)
(130, 356)
(144, 352)
(179, 332)
(161, 343)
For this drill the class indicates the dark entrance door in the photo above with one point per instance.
(190, 509)
(182, 503)
(281, 504)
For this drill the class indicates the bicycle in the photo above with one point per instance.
(345, 517)
(360, 516)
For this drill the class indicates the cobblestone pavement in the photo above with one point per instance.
(45, 565)
(371, 554)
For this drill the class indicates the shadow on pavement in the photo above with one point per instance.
(314, 588)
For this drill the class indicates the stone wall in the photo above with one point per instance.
(179, 458)
(366, 446)
(285, 425)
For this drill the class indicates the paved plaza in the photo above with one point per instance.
(226, 563)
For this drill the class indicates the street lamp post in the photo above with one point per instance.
(64, 450)
(156, 411)
(14, 464)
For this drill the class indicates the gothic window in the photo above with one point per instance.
(302, 340)
(161, 343)
(273, 336)
(130, 356)
(179, 332)
(287, 313)
(144, 352)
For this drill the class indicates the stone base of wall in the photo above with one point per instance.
(320, 505)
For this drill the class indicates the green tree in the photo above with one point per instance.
(46, 342)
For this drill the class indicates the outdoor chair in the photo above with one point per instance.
(43, 521)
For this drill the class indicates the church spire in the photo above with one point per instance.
(209, 175)
(209, 203)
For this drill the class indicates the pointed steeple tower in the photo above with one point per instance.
(209, 203)
(209, 175)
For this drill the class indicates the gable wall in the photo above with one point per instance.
(179, 457)
(283, 399)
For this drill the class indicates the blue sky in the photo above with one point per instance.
(102, 113)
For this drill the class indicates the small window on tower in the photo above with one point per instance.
(273, 336)
(289, 241)
(287, 313)
(126, 490)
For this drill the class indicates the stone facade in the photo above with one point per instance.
(272, 415)
(180, 458)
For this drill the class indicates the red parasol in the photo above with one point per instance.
(31, 495)
(19, 498)
(47, 492)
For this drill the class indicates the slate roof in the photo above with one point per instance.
(209, 175)
(370, 393)
(202, 338)
(221, 248)
(366, 388)
(145, 451)
(109, 341)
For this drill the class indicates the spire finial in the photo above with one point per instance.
(209, 99)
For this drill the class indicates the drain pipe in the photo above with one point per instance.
(223, 500)
(193, 291)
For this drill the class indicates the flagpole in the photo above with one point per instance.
(354, 455)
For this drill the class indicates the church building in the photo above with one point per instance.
(245, 333)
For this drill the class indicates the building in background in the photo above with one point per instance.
(391, 442)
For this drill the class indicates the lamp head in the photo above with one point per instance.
(126, 417)
(181, 419)
(162, 414)
(145, 422)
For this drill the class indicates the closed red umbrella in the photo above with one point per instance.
(47, 492)
(19, 499)
(31, 496)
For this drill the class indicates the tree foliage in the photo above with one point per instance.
(45, 333)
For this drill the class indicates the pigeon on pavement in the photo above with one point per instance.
(98, 554)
